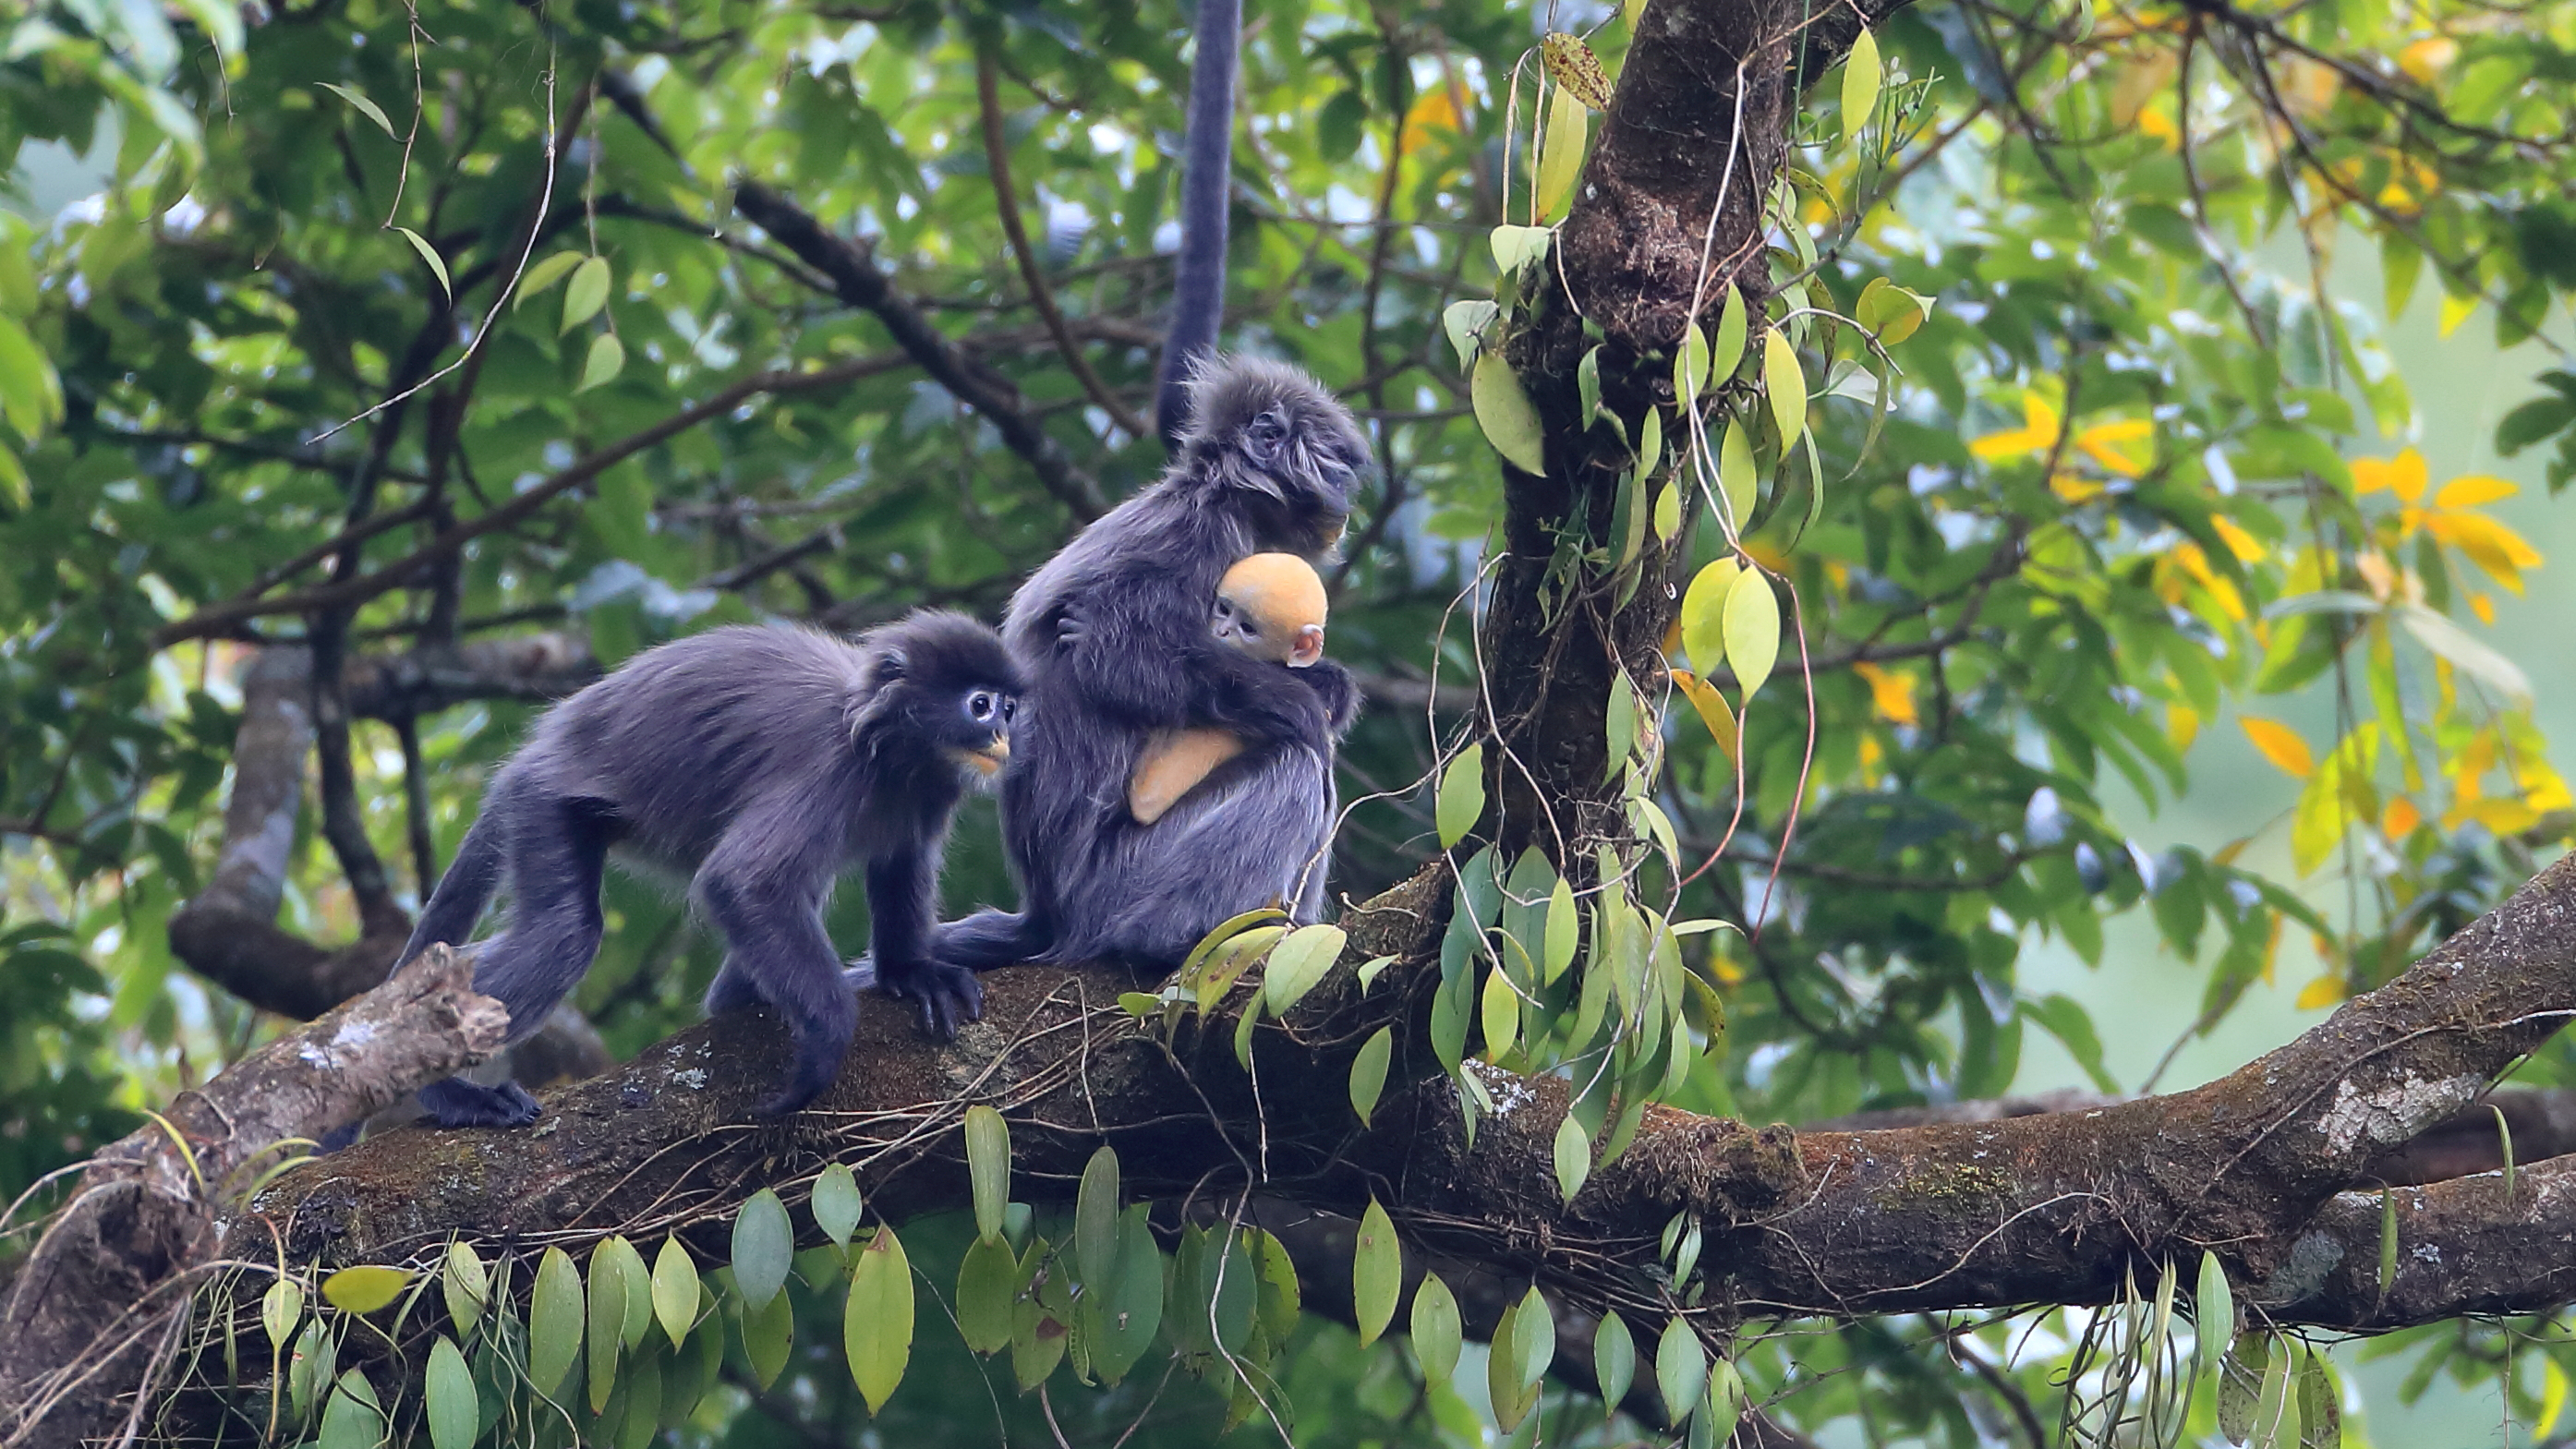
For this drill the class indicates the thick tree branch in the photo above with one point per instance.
(858, 281)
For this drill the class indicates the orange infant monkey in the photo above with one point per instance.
(1269, 605)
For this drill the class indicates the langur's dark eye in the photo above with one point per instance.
(1010, 707)
(982, 705)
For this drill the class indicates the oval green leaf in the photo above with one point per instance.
(605, 1332)
(1704, 615)
(1095, 1218)
(430, 255)
(554, 1321)
(1503, 411)
(1668, 511)
(1727, 353)
(1461, 800)
(1436, 1331)
(280, 1309)
(836, 1203)
(638, 1283)
(769, 1337)
(1785, 385)
(448, 1401)
(988, 1162)
(1377, 1272)
(1564, 925)
(1614, 1358)
(1573, 1156)
(1587, 384)
(1368, 1072)
(366, 107)
(607, 358)
(466, 1285)
(876, 1326)
(1724, 1405)
(587, 293)
(1735, 476)
(1650, 441)
(544, 274)
(1681, 1369)
(1298, 962)
(2214, 1315)
(763, 1245)
(1752, 630)
(675, 1291)
(1861, 77)
(364, 1289)
(1498, 1011)
(987, 1283)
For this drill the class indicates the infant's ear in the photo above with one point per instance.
(1309, 646)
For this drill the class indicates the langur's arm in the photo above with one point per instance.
(1127, 665)
(902, 910)
(1339, 692)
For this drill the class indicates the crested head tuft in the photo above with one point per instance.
(942, 648)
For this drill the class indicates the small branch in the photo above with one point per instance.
(858, 281)
(997, 160)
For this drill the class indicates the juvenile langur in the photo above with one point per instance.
(1272, 607)
(1113, 635)
(764, 761)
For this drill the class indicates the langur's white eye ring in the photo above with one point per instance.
(980, 706)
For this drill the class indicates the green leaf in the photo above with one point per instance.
(2065, 1019)
(876, 1326)
(675, 1291)
(280, 1309)
(1122, 1318)
(1704, 615)
(1681, 1369)
(2387, 1242)
(449, 1403)
(1727, 353)
(763, 1243)
(2504, 1143)
(638, 1283)
(1516, 247)
(605, 1331)
(987, 1282)
(1573, 1157)
(769, 1337)
(554, 1321)
(1614, 1358)
(836, 1204)
(1723, 1406)
(1668, 511)
(543, 274)
(1752, 624)
(1368, 1072)
(1690, 367)
(1503, 411)
(1564, 923)
(352, 1419)
(1735, 476)
(2320, 1405)
(1465, 323)
(2276, 1412)
(2466, 652)
(587, 293)
(366, 107)
(1298, 962)
(1095, 1218)
(364, 1289)
(1785, 385)
(1461, 800)
(430, 255)
(988, 1163)
(1377, 1272)
(465, 1283)
(2213, 1316)
(1861, 77)
(606, 359)
(1498, 1012)
(1650, 441)
(1511, 1395)
(1587, 384)
(1560, 150)
(1436, 1331)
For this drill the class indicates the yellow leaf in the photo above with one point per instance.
(2101, 443)
(2154, 122)
(2280, 745)
(2400, 818)
(2456, 310)
(1861, 76)
(2489, 544)
(2484, 608)
(1786, 386)
(2076, 489)
(1703, 615)
(1892, 695)
(2504, 817)
(2325, 991)
(2473, 490)
(2403, 475)
(1560, 152)
(1752, 623)
(2182, 725)
(2037, 434)
(1711, 707)
(2245, 546)
(366, 1288)
(1437, 110)
(2424, 59)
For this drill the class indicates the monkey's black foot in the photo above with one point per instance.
(457, 1102)
(947, 995)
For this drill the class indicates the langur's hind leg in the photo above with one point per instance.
(556, 849)
(776, 951)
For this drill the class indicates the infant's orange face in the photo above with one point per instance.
(1272, 606)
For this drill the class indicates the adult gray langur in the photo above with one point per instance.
(1112, 634)
(764, 761)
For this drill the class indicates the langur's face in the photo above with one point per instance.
(1243, 624)
(980, 737)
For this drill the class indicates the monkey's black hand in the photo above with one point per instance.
(1339, 692)
(947, 995)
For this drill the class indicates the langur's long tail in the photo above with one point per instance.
(465, 889)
